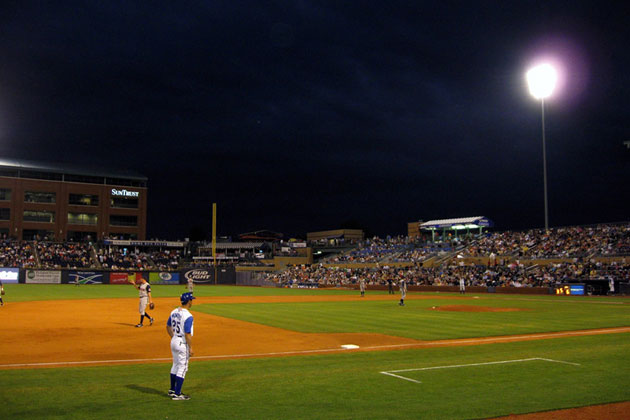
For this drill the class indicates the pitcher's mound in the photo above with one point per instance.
(472, 308)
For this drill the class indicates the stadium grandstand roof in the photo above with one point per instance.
(69, 168)
(234, 245)
(459, 223)
(263, 235)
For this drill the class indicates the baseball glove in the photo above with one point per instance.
(151, 305)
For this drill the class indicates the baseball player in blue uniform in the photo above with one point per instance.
(180, 328)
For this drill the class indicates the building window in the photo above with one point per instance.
(119, 220)
(39, 216)
(5, 194)
(39, 197)
(52, 176)
(5, 214)
(126, 182)
(82, 219)
(77, 236)
(124, 202)
(11, 173)
(83, 200)
(86, 179)
(38, 235)
(124, 236)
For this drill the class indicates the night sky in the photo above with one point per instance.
(296, 116)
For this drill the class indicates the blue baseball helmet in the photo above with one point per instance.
(186, 297)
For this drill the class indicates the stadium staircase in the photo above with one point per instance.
(38, 262)
(152, 264)
(94, 258)
(441, 259)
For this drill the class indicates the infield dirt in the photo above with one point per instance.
(102, 331)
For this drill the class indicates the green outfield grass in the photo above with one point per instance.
(340, 386)
(349, 385)
(418, 320)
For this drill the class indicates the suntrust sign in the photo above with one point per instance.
(125, 193)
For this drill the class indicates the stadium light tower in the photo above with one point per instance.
(542, 81)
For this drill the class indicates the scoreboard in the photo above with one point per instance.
(570, 289)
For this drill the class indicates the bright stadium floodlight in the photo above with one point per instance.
(542, 81)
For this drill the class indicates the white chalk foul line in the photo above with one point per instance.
(298, 352)
(499, 362)
(401, 377)
(500, 339)
(164, 359)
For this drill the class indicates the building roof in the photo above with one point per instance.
(459, 223)
(70, 168)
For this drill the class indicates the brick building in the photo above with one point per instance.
(63, 202)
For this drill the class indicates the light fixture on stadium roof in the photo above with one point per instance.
(465, 226)
(542, 80)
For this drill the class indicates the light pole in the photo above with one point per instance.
(542, 81)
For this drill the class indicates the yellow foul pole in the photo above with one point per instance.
(214, 239)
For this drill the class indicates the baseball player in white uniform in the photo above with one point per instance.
(462, 285)
(362, 286)
(144, 290)
(180, 328)
(403, 291)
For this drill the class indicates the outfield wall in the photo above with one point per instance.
(469, 289)
(229, 276)
(224, 275)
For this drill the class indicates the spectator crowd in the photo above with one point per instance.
(568, 242)
(509, 275)
(510, 257)
(84, 255)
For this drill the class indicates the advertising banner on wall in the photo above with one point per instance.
(199, 275)
(41, 276)
(118, 278)
(125, 242)
(123, 278)
(85, 277)
(164, 278)
(9, 275)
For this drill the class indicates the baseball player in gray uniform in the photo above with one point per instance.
(144, 289)
(180, 328)
(403, 291)
(362, 286)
